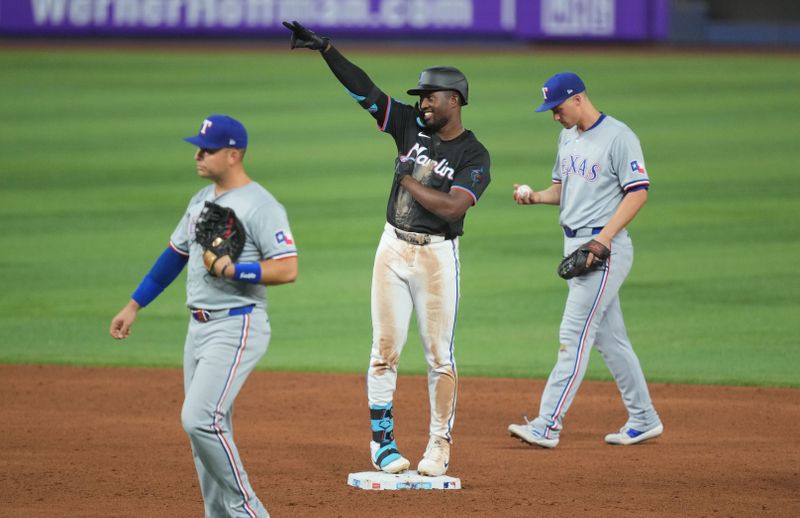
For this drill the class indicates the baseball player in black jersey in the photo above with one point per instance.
(440, 171)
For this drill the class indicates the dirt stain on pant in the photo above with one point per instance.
(387, 346)
(433, 312)
(443, 397)
(438, 312)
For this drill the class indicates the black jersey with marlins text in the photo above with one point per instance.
(461, 163)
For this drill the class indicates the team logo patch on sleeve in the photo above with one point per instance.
(283, 238)
(636, 168)
(476, 175)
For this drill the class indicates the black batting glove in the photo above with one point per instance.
(404, 166)
(302, 37)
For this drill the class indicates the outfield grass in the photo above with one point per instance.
(95, 177)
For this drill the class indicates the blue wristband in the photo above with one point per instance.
(247, 272)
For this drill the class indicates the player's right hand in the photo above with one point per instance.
(523, 194)
(122, 322)
(302, 37)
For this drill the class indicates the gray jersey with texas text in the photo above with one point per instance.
(268, 237)
(595, 169)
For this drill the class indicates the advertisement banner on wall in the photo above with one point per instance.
(502, 19)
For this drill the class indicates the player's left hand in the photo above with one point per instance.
(221, 235)
(305, 38)
(585, 258)
(598, 254)
(216, 264)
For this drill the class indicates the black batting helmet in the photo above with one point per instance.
(435, 79)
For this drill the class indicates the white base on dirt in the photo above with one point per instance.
(378, 480)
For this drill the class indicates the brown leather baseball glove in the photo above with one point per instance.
(574, 264)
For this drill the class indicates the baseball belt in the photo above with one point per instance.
(582, 232)
(416, 238)
(205, 315)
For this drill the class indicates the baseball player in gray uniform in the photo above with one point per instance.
(229, 329)
(441, 170)
(599, 181)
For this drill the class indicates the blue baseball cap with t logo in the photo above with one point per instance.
(559, 88)
(219, 131)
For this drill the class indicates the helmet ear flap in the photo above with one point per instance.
(418, 115)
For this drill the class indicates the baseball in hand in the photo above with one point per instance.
(524, 191)
(523, 194)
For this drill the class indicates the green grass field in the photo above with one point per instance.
(95, 177)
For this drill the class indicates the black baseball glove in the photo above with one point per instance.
(219, 232)
(574, 264)
(302, 37)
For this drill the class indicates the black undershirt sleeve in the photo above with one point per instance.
(352, 77)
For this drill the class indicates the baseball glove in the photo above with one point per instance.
(219, 232)
(574, 264)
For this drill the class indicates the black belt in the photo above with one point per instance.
(204, 315)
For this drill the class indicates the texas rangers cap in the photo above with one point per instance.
(219, 131)
(559, 88)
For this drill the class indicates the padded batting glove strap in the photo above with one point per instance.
(404, 166)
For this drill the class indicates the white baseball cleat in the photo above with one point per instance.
(386, 458)
(627, 436)
(525, 433)
(436, 459)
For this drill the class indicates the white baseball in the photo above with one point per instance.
(524, 191)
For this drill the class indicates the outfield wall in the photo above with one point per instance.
(526, 20)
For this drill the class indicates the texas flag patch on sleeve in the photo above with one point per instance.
(283, 238)
(636, 168)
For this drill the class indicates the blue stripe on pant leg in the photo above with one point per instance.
(217, 413)
(579, 353)
(452, 340)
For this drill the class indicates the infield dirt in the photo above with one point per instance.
(108, 442)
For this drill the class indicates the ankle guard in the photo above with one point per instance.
(382, 423)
